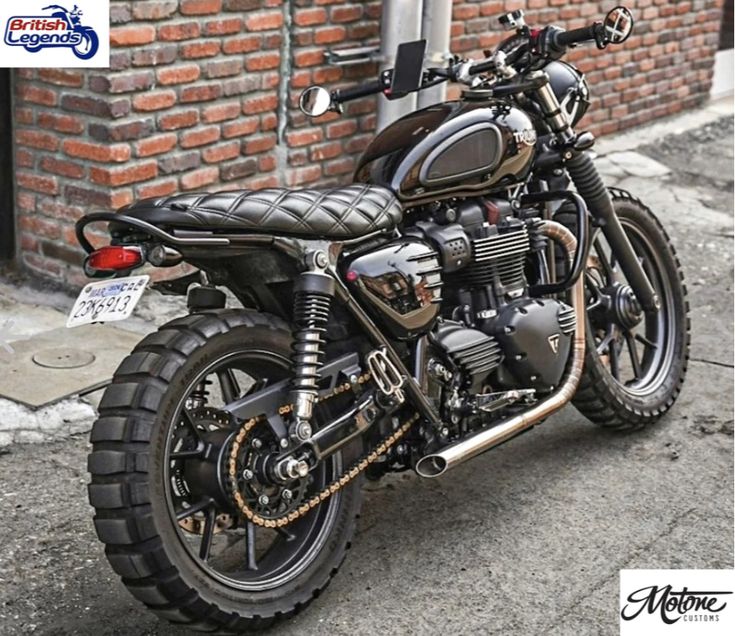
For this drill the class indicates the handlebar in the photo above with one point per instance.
(355, 92)
(563, 39)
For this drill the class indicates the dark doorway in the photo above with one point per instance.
(7, 220)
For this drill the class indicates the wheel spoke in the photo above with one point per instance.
(206, 544)
(605, 344)
(614, 360)
(229, 385)
(187, 419)
(604, 261)
(193, 509)
(645, 341)
(252, 563)
(286, 534)
(634, 360)
(187, 454)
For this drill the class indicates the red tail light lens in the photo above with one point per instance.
(114, 258)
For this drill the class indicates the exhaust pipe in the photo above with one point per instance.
(440, 462)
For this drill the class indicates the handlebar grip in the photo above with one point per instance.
(481, 67)
(575, 36)
(348, 94)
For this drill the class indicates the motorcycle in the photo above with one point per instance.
(88, 39)
(475, 278)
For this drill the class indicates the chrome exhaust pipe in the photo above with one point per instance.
(440, 462)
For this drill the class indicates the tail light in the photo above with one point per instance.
(113, 258)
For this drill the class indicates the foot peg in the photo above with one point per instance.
(489, 402)
(385, 374)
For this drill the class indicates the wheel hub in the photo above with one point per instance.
(625, 309)
(264, 493)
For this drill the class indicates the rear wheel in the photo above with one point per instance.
(635, 361)
(160, 492)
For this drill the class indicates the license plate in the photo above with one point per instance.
(107, 301)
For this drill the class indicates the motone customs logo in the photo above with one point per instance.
(668, 602)
(81, 31)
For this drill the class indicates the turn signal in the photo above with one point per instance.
(113, 258)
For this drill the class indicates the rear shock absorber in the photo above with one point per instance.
(313, 292)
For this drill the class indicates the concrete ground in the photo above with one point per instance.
(526, 539)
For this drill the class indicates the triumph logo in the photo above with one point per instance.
(554, 343)
(527, 137)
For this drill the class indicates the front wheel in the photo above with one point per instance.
(635, 362)
(161, 446)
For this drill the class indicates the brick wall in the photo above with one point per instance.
(201, 94)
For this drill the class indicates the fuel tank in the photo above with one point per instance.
(450, 149)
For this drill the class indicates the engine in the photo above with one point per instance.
(492, 335)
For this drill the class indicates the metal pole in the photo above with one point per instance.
(400, 22)
(436, 28)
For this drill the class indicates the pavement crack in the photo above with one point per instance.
(670, 527)
(727, 365)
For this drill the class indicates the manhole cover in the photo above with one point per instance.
(63, 358)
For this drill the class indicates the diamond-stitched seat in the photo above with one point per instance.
(346, 212)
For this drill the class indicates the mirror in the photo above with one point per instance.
(618, 25)
(315, 101)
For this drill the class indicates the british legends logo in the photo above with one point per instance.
(81, 31)
(674, 602)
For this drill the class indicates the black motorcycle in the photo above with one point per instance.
(455, 295)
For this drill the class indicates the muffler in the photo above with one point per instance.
(440, 462)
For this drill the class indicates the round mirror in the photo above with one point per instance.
(315, 101)
(618, 25)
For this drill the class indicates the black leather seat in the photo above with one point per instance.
(339, 213)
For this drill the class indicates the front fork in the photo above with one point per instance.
(591, 188)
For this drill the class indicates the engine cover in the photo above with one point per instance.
(536, 336)
(400, 285)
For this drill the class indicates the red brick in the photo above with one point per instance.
(200, 93)
(179, 31)
(198, 50)
(259, 104)
(329, 35)
(200, 7)
(178, 120)
(221, 112)
(24, 158)
(259, 143)
(63, 168)
(263, 61)
(35, 139)
(37, 183)
(310, 57)
(346, 14)
(157, 189)
(221, 152)
(61, 77)
(224, 68)
(132, 35)
(223, 27)
(199, 178)
(310, 17)
(156, 145)
(157, 100)
(103, 153)
(37, 95)
(178, 74)
(240, 128)
(124, 175)
(244, 44)
(154, 10)
(304, 137)
(200, 137)
(264, 21)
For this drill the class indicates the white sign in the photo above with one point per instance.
(677, 602)
(107, 301)
(70, 35)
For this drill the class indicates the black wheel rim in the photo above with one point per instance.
(638, 358)
(234, 552)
